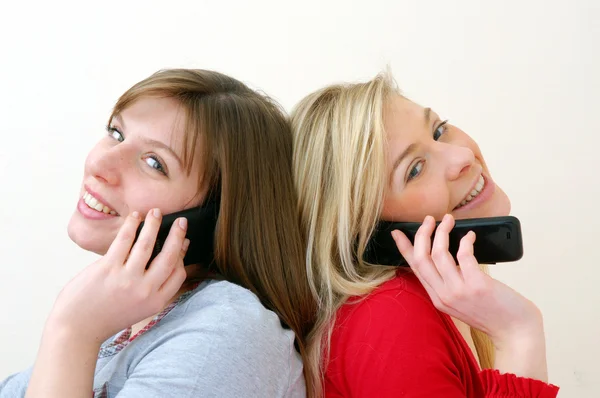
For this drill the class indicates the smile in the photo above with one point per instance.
(95, 204)
(474, 193)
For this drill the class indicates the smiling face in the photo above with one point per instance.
(434, 168)
(137, 166)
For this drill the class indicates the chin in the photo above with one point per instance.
(85, 236)
(501, 203)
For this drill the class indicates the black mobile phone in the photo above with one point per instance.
(498, 240)
(202, 221)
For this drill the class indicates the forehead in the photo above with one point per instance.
(158, 119)
(403, 119)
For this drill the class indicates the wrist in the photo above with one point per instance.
(523, 353)
(65, 362)
(525, 330)
(59, 331)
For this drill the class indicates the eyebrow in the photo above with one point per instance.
(152, 142)
(427, 112)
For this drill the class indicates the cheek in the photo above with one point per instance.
(144, 199)
(416, 202)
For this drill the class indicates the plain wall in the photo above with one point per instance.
(522, 77)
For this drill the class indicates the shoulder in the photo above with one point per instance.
(401, 301)
(396, 320)
(220, 335)
(227, 305)
(231, 319)
(15, 385)
(383, 344)
(215, 319)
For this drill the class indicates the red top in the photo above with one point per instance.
(395, 343)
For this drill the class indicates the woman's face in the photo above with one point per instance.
(137, 166)
(434, 169)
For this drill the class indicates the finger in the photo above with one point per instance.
(170, 255)
(143, 247)
(422, 262)
(184, 248)
(174, 281)
(121, 245)
(423, 237)
(443, 260)
(435, 298)
(404, 245)
(466, 258)
(406, 249)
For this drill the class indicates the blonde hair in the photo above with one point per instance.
(339, 169)
(246, 161)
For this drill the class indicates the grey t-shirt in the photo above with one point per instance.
(218, 341)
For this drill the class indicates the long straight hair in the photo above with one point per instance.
(242, 143)
(339, 169)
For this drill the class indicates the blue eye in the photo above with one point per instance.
(155, 164)
(415, 171)
(114, 133)
(440, 130)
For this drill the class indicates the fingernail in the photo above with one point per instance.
(183, 223)
(156, 213)
(185, 245)
(135, 215)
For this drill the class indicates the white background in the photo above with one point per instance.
(522, 77)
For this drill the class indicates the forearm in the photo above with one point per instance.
(64, 366)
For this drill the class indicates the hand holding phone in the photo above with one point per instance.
(462, 290)
(202, 221)
(115, 291)
(498, 240)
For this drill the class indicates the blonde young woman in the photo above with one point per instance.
(174, 141)
(365, 153)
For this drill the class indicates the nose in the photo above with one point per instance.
(105, 165)
(459, 160)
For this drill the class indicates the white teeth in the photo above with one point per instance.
(476, 191)
(93, 203)
(480, 184)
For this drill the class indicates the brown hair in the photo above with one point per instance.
(246, 158)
